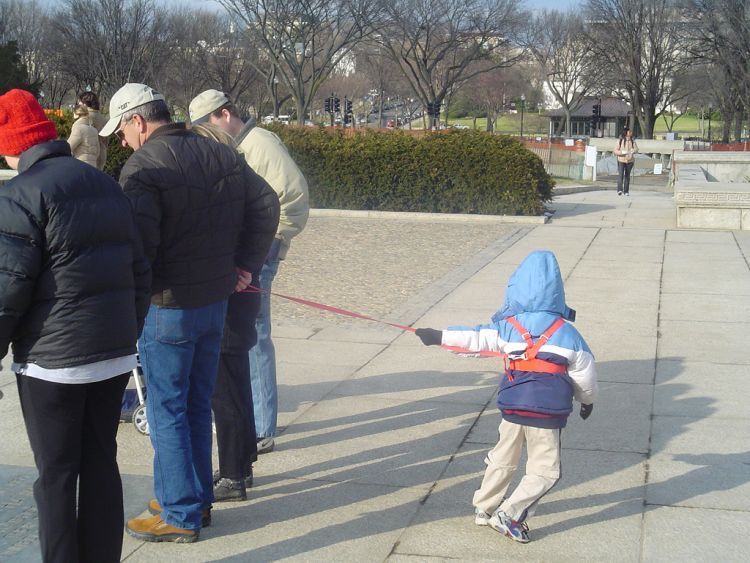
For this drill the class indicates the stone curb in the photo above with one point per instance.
(533, 220)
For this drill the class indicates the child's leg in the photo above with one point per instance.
(502, 461)
(542, 472)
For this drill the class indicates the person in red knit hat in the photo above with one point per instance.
(22, 124)
(74, 291)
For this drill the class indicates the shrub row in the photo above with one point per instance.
(460, 171)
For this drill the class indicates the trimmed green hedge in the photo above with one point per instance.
(460, 171)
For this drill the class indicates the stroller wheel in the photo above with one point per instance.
(139, 419)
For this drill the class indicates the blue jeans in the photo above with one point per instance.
(263, 354)
(179, 351)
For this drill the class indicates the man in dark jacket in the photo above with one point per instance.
(74, 287)
(207, 221)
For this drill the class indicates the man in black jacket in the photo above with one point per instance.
(74, 288)
(207, 221)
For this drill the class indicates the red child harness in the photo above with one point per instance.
(527, 360)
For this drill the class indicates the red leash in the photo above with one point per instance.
(344, 312)
(322, 307)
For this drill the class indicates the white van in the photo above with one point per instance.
(281, 119)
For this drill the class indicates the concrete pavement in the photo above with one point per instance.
(382, 439)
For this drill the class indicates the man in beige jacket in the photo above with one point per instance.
(268, 157)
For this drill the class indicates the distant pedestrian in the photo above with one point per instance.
(90, 101)
(266, 155)
(233, 399)
(625, 151)
(548, 364)
(74, 290)
(206, 224)
(84, 138)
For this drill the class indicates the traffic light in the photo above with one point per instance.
(348, 107)
(596, 112)
(327, 105)
(336, 105)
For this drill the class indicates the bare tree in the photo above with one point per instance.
(562, 50)
(304, 39)
(106, 43)
(208, 51)
(642, 45)
(435, 42)
(373, 61)
(720, 37)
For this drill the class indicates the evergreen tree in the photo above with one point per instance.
(13, 72)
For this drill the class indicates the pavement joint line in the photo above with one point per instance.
(330, 481)
(439, 478)
(688, 507)
(652, 415)
(411, 401)
(739, 247)
(713, 416)
(434, 294)
(576, 449)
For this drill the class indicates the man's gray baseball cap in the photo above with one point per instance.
(126, 98)
(204, 104)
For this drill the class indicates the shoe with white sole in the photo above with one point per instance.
(481, 518)
(517, 531)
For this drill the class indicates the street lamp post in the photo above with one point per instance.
(523, 107)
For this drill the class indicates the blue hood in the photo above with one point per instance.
(535, 286)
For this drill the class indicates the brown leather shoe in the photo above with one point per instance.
(154, 529)
(155, 508)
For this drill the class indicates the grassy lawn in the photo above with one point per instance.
(534, 124)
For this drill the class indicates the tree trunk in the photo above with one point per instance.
(380, 110)
(300, 111)
(568, 124)
(738, 118)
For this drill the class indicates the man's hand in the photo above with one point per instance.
(586, 410)
(244, 279)
(430, 336)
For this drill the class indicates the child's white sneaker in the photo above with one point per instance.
(481, 518)
(517, 531)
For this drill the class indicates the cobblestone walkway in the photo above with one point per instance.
(371, 266)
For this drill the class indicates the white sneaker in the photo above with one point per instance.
(481, 518)
(517, 531)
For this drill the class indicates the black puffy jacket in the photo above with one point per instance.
(201, 211)
(74, 282)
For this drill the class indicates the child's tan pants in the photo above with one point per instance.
(542, 470)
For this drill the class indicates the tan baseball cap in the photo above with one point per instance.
(204, 103)
(126, 98)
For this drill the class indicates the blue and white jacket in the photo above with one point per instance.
(536, 298)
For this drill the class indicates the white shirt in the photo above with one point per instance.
(89, 373)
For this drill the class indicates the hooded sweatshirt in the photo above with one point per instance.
(536, 298)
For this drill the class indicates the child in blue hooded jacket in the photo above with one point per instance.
(548, 364)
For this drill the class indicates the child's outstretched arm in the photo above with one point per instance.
(478, 339)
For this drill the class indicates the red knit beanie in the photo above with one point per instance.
(22, 123)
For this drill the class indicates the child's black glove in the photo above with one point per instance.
(586, 410)
(430, 336)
